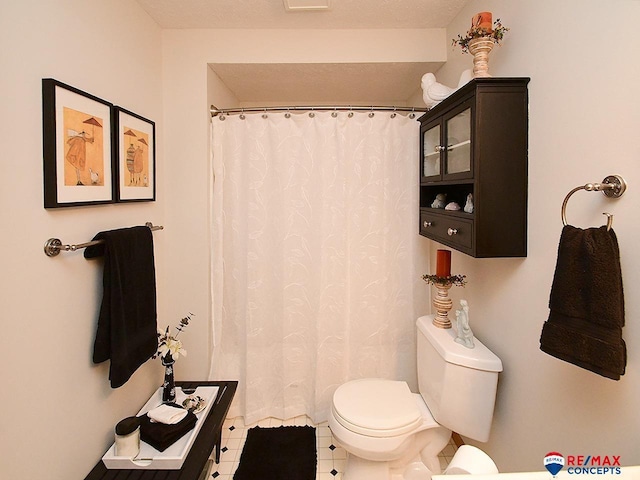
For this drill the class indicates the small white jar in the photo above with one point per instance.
(128, 437)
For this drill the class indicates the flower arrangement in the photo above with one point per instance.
(457, 280)
(169, 347)
(477, 31)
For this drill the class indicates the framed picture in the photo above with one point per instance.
(77, 151)
(135, 146)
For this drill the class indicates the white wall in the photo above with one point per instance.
(584, 119)
(582, 57)
(58, 410)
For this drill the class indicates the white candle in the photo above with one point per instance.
(128, 437)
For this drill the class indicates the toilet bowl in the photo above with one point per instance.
(383, 427)
(389, 432)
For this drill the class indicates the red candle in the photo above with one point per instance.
(483, 21)
(443, 263)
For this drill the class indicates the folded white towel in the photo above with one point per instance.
(167, 414)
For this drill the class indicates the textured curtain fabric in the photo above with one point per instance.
(316, 260)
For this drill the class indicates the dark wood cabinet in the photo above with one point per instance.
(473, 145)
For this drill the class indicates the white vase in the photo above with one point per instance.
(480, 48)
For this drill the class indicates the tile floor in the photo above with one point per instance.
(331, 458)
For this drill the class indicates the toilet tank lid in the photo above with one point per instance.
(443, 340)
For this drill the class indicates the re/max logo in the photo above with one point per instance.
(595, 460)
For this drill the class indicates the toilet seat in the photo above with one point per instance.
(376, 407)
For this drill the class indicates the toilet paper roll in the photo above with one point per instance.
(471, 460)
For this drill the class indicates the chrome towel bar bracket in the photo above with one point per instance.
(613, 186)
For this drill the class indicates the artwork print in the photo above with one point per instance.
(83, 148)
(77, 152)
(136, 157)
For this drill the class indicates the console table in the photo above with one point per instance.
(209, 437)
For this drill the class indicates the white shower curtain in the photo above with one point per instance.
(316, 259)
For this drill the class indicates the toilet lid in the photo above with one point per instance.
(376, 407)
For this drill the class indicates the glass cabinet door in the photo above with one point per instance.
(431, 150)
(458, 129)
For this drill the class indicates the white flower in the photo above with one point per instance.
(173, 347)
(168, 344)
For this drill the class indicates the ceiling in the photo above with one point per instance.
(256, 84)
(323, 83)
(272, 14)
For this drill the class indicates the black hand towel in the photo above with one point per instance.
(161, 436)
(587, 303)
(127, 327)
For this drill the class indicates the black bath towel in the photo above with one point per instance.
(587, 303)
(127, 326)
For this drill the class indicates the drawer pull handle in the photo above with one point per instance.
(426, 224)
(452, 231)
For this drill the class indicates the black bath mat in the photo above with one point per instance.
(281, 453)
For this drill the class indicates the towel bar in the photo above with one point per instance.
(54, 246)
(613, 186)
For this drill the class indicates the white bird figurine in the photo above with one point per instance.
(94, 177)
(432, 91)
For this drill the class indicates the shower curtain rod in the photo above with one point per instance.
(318, 108)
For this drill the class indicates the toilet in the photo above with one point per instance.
(390, 433)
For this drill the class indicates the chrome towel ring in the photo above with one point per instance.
(613, 186)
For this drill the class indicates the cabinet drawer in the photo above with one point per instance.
(447, 229)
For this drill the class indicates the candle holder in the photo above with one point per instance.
(480, 49)
(480, 40)
(442, 303)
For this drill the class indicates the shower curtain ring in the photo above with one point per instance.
(242, 115)
(371, 114)
(393, 115)
(334, 114)
(413, 113)
(288, 114)
(350, 111)
(311, 113)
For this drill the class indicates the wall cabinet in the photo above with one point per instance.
(473, 145)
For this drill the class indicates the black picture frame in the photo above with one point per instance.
(77, 147)
(134, 145)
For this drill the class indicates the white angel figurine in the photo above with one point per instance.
(465, 335)
(468, 207)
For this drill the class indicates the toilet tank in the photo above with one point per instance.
(457, 383)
